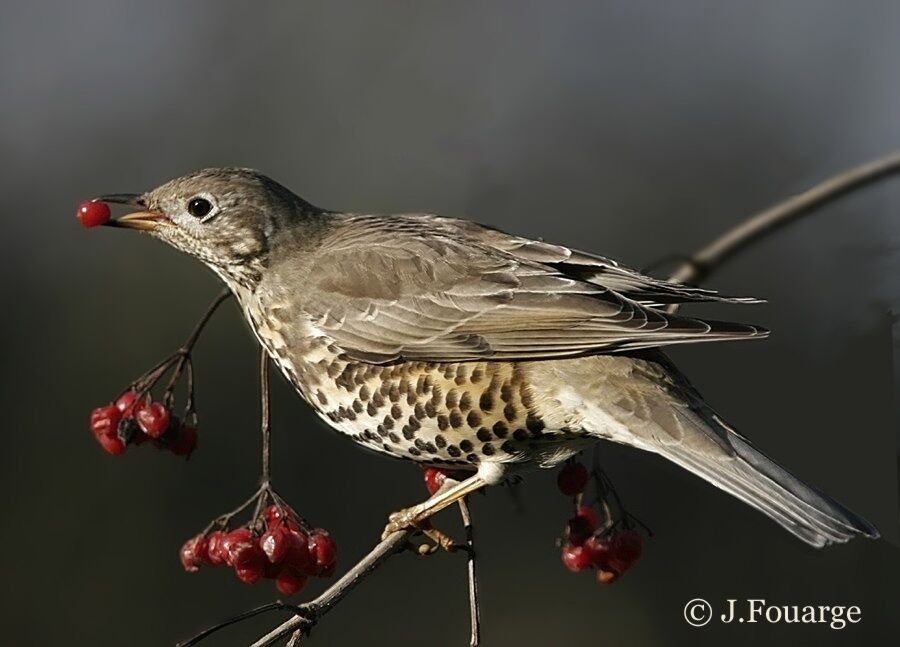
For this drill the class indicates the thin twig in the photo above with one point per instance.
(265, 416)
(222, 521)
(265, 428)
(474, 608)
(195, 333)
(700, 264)
(278, 605)
(184, 353)
(180, 358)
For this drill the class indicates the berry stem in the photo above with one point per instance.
(223, 520)
(606, 492)
(265, 416)
(180, 360)
(189, 409)
(474, 607)
(265, 428)
(184, 353)
(147, 380)
(188, 345)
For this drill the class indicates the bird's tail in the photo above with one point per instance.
(754, 478)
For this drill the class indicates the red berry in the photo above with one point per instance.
(299, 555)
(153, 419)
(625, 549)
(105, 420)
(231, 542)
(434, 478)
(576, 558)
(216, 554)
(275, 543)
(271, 571)
(289, 581)
(578, 529)
(273, 514)
(572, 479)
(185, 442)
(93, 212)
(194, 553)
(137, 405)
(627, 545)
(589, 513)
(598, 551)
(606, 577)
(276, 515)
(323, 551)
(125, 403)
(112, 445)
(249, 562)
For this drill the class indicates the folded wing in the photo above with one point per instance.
(437, 289)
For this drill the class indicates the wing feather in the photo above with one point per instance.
(436, 289)
(590, 268)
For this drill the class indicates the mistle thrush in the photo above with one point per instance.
(452, 344)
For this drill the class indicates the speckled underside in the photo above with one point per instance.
(444, 414)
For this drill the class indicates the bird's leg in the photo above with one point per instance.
(438, 538)
(418, 515)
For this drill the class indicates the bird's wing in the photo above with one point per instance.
(590, 268)
(407, 287)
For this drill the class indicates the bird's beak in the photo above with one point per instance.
(141, 220)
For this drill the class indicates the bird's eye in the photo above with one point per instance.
(199, 207)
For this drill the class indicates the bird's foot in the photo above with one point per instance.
(408, 519)
(440, 539)
(424, 549)
(401, 520)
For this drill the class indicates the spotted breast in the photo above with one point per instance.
(446, 414)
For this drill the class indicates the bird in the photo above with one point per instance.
(453, 344)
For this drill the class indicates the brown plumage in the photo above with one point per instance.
(445, 342)
(420, 287)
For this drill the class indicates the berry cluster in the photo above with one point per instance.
(587, 543)
(283, 551)
(133, 420)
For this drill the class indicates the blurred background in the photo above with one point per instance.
(632, 129)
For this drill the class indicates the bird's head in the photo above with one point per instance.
(226, 217)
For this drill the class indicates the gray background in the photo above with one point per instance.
(633, 129)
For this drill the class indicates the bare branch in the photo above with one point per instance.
(699, 265)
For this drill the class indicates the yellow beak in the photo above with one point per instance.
(141, 220)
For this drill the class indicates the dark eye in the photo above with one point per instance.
(199, 207)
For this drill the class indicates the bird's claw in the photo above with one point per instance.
(407, 519)
(400, 521)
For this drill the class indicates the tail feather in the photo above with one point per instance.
(754, 478)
